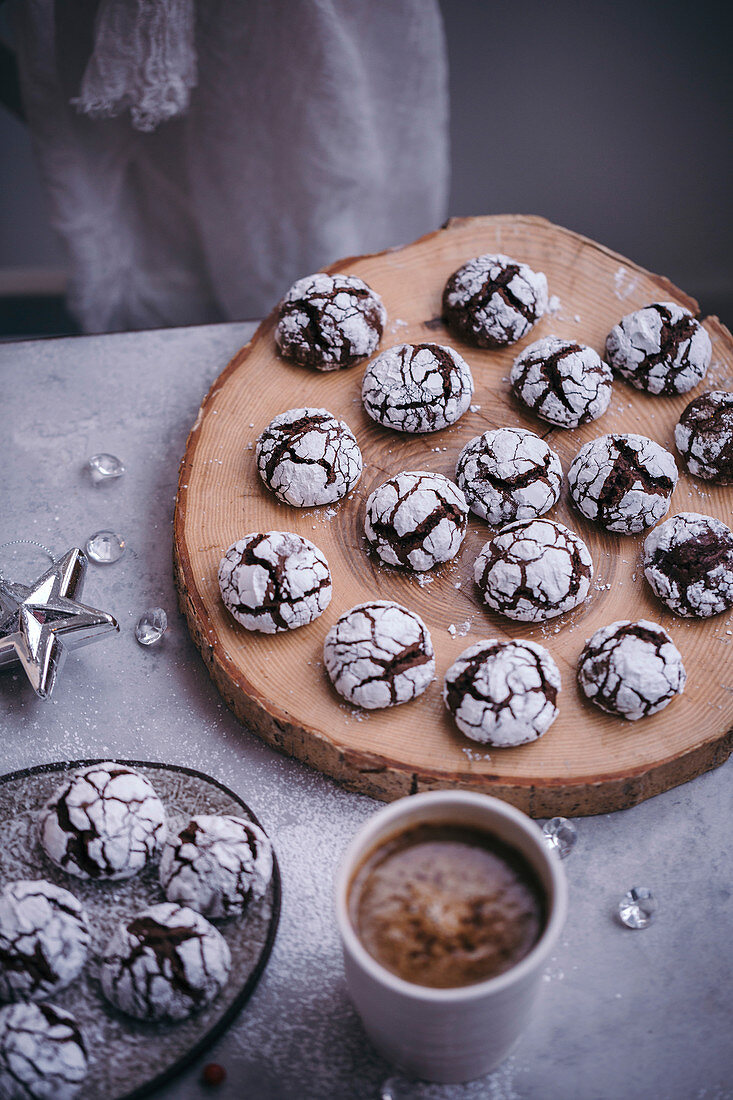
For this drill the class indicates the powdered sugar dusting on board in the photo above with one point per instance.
(624, 283)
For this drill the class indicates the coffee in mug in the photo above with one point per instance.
(446, 905)
(446, 888)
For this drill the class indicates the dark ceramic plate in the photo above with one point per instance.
(129, 1059)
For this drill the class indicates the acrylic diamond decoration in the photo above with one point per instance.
(560, 836)
(151, 626)
(637, 908)
(105, 547)
(104, 467)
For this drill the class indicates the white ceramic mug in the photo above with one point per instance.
(461, 1033)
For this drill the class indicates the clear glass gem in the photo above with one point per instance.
(560, 835)
(151, 626)
(637, 909)
(105, 467)
(105, 547)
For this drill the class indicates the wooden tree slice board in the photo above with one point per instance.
(587, 762)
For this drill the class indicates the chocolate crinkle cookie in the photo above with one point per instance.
(493, 300)
(503, 693)
(216, 865)
(563, 382)
(688, 561)
(623, 482)
(164, 964)
(307, 457)
(704, 436)
(42, 1053)
(104, 822)
(534, 570)
(661, 348)
(44, 939)
(329, 321)
(417, 387)
(379, 654)
(509, 474)
(631, 669)
(416, 520)
(274, 581)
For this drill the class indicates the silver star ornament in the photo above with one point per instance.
(40, 622)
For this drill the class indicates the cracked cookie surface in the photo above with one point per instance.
(509, 474)
(164, 964)
(105, 822)
(44, 939)
(329, 322)
(216, 865)
(307, 457)
(631, 669)
(417, 387)
(563, 382)
(416, 520)
(704, 436)
(688, 561)
(492, 300)
(379, 654)
(274, 581)
(623, 482)
(661, 348)
(42, 1053)
(534, 570)
(503, 693)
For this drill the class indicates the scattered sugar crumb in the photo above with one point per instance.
(473, 754)
(461, 629)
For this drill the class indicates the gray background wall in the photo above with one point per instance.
(613, 119)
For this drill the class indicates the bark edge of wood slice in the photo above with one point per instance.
(587, 762)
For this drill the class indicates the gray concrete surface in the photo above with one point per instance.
(645, 1014)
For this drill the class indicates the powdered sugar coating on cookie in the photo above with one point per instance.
(564, 382)
(704, 436)
(307, 457)
(623, 482)
(44, 939)
(688, 561)
(631, 669)
(274, 581)
(509, 474)
(417, 387)
(104, 822)
(534, 570)
(164, 964)
(503, 693)
(42, 1053)
(329, 321)
(492, 300)
(661, 348)
(379, 654)
(216, 864)
(416, 520)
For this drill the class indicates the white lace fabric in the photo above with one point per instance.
(199, 158)
(144, 60)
